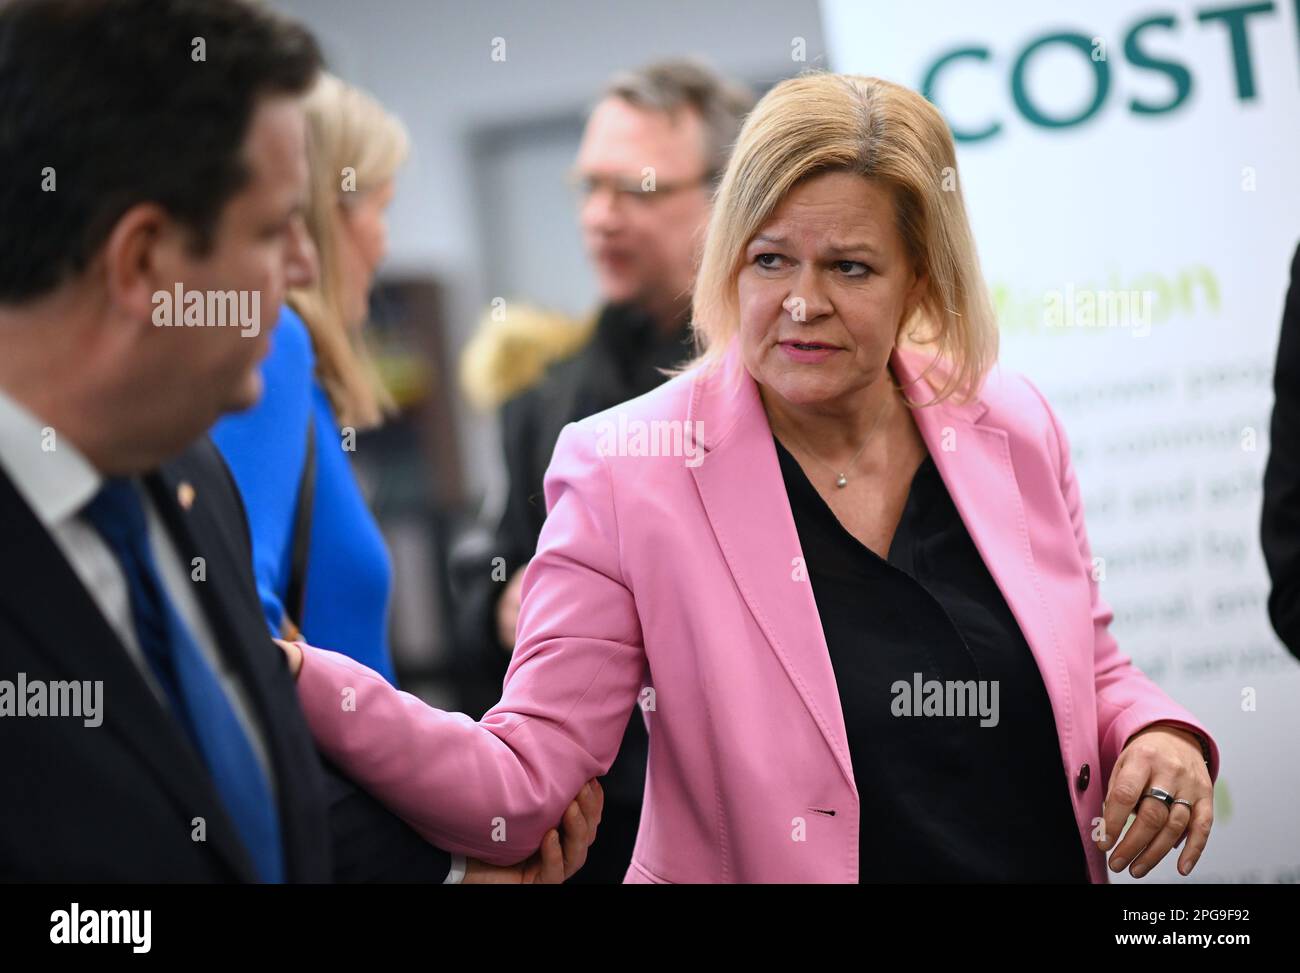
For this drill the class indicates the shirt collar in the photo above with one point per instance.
(46, 469)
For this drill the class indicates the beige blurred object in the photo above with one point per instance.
(512, 348)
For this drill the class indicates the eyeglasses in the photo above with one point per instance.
(641, 191)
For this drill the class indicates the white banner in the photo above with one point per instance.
(1131, 173)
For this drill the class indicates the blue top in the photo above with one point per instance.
(348, 570)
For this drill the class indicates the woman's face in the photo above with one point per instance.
(363, 243)
(825, 286)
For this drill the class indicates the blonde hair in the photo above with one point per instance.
(352, 141)
(820, 122)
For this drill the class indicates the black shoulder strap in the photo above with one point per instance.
(295, 597)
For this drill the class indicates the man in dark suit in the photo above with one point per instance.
(1280, 524)
(155, 170)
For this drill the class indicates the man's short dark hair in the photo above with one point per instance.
(105, 104)
(683, 83)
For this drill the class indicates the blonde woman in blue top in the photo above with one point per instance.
(331, 568)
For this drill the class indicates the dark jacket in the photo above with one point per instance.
(116, 802)
(1280, 523)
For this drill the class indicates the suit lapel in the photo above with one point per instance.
(42, 593)
(744, 497)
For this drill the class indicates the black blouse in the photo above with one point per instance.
(943, 798)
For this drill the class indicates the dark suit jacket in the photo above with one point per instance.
(1280, 524)
(116, 802)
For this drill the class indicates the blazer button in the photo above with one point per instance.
(1085, 774)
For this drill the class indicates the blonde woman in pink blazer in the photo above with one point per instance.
(840, 564)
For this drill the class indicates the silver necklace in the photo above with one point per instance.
(842, 477)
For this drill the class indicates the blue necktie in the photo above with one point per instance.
(189, 683)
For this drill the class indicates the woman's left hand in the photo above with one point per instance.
(1169, 758)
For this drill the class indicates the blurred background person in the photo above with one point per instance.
(290, 454)
(651, 155)
(321, 562)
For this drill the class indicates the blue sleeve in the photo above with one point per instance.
(265, 448)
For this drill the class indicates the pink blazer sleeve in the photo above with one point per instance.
(1127, 699)
(491, 789)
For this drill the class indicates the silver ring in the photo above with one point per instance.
(1181, 800)
(1160, 794)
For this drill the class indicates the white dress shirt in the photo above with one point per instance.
(56, 484)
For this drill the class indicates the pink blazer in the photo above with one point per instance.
(670, 581)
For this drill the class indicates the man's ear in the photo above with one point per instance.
(141, 257)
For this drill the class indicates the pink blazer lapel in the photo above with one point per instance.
(740, 484)
(976, 464)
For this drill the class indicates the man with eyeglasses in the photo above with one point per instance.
(653, 149)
